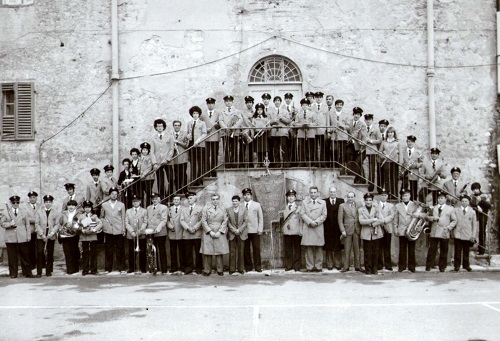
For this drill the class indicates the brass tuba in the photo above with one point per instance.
(417, 226)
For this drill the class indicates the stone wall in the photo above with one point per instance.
(371, 54)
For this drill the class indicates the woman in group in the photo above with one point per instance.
(260, 148)
(146, 172)
(390, 149)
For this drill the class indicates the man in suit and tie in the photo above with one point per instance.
(306, 133)
(237, 234)
(113, 223)
(333, 247)
(322, 120)
(255, 227)
(94, 190)
(157, 220)
(443, 220)
(382, 126)
(70, 189)
(31, 208)
(411, 158)
(136, 222)
(162, 151)
(191, 223)
(373, 141)
(271, 111)
(357, 138)
(313, 236)
(292, 232)
(175, 232)
(455, 187)
(176, 170)
(405, 212)
(108, 181)
(197, 132)
(433, 171)
(331, 132)
(387, 212)
(465, 233)
(370, 220)
(350, 230)
(231, 120)
(211, 117)
(46, 226)
(341, 138)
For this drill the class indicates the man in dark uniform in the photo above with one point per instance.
(333, 247)
(211, 117)
(31, 208)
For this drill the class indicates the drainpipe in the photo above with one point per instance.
(430, 73)
(498, 47)
(115, 80)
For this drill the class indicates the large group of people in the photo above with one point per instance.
(119, 212)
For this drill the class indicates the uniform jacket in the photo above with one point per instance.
(272, 112)
(428, 171)
(31, 213)
(241, 225)
(136, 222)
(413, 162)
(391, 150)
(213, 134)
(255, 217)
(370, 230)
(19, 230)
(88, 233)
(42, 223)
(67, 228)
(313, 212)
(284, 118)
(162, 150)
(214, 220)
(308, 117)
(373, 139)
(106, 185)
(174, 222)
(157, 219)
(93, 192)
(348, 218)
(322, 117)
(181, 142)
(231, 119)
(358, 133)
(467, 226)
(113, 218)
(388, 212)
(342, 123)
(191, 220)
(403, 217)
(332, 229)
(77, 197)
(146, 166)
(332, 123)
(200, 132)
(447, 221)
(449, 187)
(293, 226)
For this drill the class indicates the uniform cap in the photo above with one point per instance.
(190, 194)
(113, 189)
(411, 138)
(145, 145)
(266, 96)
(48, 197)
(136, 197)
(228, 98)
(291, 192)
(259, 106)
(32, 194)
(382, 191)
(95, 171)
(154, 195)
(288, 95)
(435, 151)
(440, 194)
(384, 122)
(368, 195)
(210, 100)
(249, 99)
(69, 185)
(15, 199)
(87, 203)
(464, 196)
(369, 117)
(304, 101)
(404, 190)
(309, 94)
(319, 94)
(246, 190)
(108, 168)
(455, 169)
(357, 110)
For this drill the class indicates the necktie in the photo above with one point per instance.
(329, 107)
(47, 212)
(96, 184)
(15, 212)
(246, 205)
(314, 202)
(368, 129)
(229, 109)
(354, 124)
(154, 207)
(33, 206)
(409, 152)
(190, 210)
(192, 131)
(440, 210)
(433, 165)
(215, 207)
(319, 106)
(304, 114)
(135, 210)
(288, 108)
(176, 136)
(210, 114)
(161, 137)
(464, 210)
(176, 208)
(236, 218)
(383, 205)
(290, 207)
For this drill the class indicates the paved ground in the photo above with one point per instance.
(268, 306)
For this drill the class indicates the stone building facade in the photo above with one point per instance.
(174, 54)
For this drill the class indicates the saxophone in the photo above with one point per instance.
(417, 226)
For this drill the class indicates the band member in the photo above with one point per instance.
(162, 152)
(94, 190)
(157, 220)
(350, 230)
(454, 188)
(270, 112)
(310, 97)
(387, 211)
(246, 131)
(411, 159)
(255, 227)
(68, 234)
(135, 169)
(230, 121)
(136, 222)
(178, 166)
(389, 162)
(373, 141)
(405, 212)
(465, 233)
(197, 131)
(341, 150)
(46, 226)
(146, 172)
(17, 237)
(481, 203)
(31, 208)
(277, 116)
(90, 225)
(287, 117)
(313, 214)
(370, 220)
(260, 143)
(211, 117)
(382, 126)
(124, 181)
(191, 223)
(305, 120)
(333, 246)
(331, 132)
(292, 232)
(322, 120)
(433, 171)
(70, 189)
(175, 231)
(443, 220)
(113, 223)
(356, 144)
(214, 241)
(108, 181)
(237, 234)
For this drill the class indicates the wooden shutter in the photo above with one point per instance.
(25, 111)
(8, 121)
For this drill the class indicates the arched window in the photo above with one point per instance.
(275, 69)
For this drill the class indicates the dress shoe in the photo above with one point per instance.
(388, 269)
(13, 276)
(468, 269)
(359, 270)
(412, 270)
(456, 269)
(49, 274)
(427, 268)
(93, 273)
(344, 270)
(330, 268)
(206, 273)
(441, 270)
(242, 272)
(231, 272)
(29, 276)
(38, 276)
(400, 270)
(220, 273)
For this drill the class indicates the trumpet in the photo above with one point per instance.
(137, 237)
(262, 130)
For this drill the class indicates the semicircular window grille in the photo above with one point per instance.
(275, 69)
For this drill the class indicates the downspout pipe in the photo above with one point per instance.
(498, 47)
(115, 77)
(430, 73)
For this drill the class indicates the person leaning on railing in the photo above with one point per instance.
(146, 172)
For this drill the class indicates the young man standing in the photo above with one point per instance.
(255, 227)
(175, 232)
(91, 225)
(70, 189)
(162, 151)
(455, 188)
(191, 223)
(136, 222)
(211, 117)
(292, 232)
(411, 159)
(370, 220)
(373, 141)
(157, 220)
(108, 182)
(405, 212)
(465, 233)
(237, 234)
(31, 209)
(433, 171)
(387, 211)
(313, 237)
(350, 230)
(113, 222)
(93, 192)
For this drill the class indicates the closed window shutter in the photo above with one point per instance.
(25, 111)
(8, 112)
